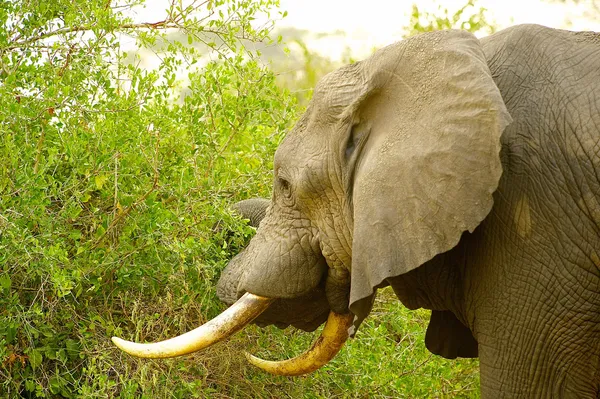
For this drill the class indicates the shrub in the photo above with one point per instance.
(115, 185)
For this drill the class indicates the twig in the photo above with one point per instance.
(165, 24)
(38, 152)
(414, 369)
(67, 61)
(116, 201)
(120, 216)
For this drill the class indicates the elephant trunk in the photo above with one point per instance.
(236, 317)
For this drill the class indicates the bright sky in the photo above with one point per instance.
(374, 23)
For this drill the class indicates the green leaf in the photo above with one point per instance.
(5, 281)
(100, 180)
(29, 385)
(35, 358)
(72, 346)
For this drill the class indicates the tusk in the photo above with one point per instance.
(236, 317)
(324, 349)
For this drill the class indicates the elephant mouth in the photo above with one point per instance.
(234, 319)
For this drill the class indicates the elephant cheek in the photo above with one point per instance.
(279, 268)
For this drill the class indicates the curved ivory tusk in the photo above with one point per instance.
(236, 317)
(324, 349)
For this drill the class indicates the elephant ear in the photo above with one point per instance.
(430, 122)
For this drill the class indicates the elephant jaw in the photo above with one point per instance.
(232, 320)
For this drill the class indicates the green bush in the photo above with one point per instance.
(115, 187)
(113, 195)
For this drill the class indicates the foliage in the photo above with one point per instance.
(301, 75)
(115, 185)
(114, 195)
(469, 17)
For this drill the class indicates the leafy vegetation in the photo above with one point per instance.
(115, 187)
(469, 17)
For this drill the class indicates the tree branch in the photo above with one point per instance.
(165, 24)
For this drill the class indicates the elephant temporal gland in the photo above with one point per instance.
(232, 320)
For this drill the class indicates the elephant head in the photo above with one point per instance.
(395, 157)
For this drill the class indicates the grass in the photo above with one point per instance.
(387, 359)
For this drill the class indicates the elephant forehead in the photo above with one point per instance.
(298, 154)
(308, 141)
(317, 131)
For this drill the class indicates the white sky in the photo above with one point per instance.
(374, 23)
(383, 17)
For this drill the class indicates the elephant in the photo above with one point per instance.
(462, 172)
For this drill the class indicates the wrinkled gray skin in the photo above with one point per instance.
(464, 173)
(253, 209)
(306, 312)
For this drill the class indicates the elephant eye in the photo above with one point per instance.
(356, 138)
(285, 185)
